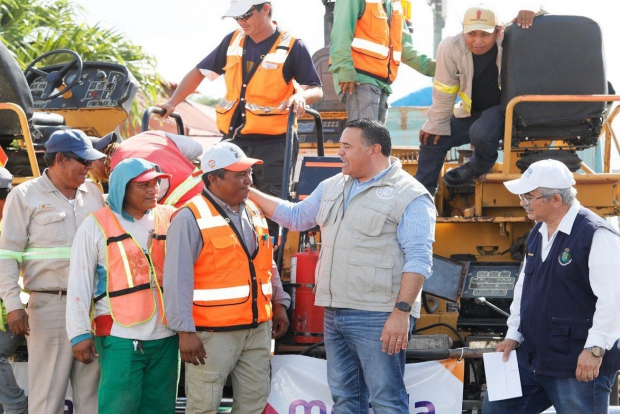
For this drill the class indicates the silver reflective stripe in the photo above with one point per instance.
(266, 109)
(207, 295)
(235, 48)
(267, 289)
(226, 105)
(370, 46)
(279, 56)
(206, 220)
(397, 56)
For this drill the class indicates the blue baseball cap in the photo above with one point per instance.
(74, 141)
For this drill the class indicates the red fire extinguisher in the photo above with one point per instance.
(307, 318)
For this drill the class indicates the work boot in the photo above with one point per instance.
(460, 176)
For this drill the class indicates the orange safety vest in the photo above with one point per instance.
(261, 102)
(231, 289)
(130, 271)
(377, 43)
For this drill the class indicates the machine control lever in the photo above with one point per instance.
(483, 301)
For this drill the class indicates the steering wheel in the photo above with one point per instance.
(55, 78)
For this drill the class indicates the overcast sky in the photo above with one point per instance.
(181, 32)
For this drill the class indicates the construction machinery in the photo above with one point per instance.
(556, 106)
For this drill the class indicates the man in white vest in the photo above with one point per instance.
(377, 228)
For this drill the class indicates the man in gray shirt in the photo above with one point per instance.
(222, 282)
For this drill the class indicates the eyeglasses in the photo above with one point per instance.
(528, 200)
(85, 163)
(247, 15)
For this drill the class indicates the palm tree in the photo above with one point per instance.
(30, 28)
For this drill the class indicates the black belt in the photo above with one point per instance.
(51, 292)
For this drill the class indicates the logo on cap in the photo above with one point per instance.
(478, 13)
(528, 172)
(211, 163)
(234, 151)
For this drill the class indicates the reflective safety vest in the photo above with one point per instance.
(232, 290)
(130, 271)
(261, 102)
(154, 146)
(377, 43)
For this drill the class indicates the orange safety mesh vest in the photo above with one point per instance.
(377, 44)
(231, 289)
(263, 108)
(130, 272)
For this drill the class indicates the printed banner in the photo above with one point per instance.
(299, 386)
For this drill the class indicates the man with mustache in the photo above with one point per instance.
(219, 287)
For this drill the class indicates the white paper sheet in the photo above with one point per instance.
(503, 381)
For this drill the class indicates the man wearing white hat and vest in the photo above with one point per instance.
(268, 73)
(564, 316)
(219, 287)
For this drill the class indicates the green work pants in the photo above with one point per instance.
(138, 381)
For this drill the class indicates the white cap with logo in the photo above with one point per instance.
(545, 173)
(240, 7)
(480, 18)
(228, 156)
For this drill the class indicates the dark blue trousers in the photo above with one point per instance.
(483, 129)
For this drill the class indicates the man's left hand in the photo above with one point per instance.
(587, 366)
(280, 321)
(297, 103)
(395, 332)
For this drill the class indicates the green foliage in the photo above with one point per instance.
(30, 28)
(204, 99)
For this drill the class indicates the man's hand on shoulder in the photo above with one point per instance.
(18, 322)
(587, 366)
(506, 346)
(85, 350)
(192, 349)
(395, 332)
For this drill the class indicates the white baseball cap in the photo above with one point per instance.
(228, 156)
(480, 18)
(240, 7)
(545, 173)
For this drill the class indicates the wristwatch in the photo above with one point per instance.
(403, 306)
(596, 351)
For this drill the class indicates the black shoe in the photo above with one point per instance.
(460, 176)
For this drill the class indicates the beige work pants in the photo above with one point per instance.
(51, 364)
(246, 355)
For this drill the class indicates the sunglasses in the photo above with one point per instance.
(85, 163)
(247, 15)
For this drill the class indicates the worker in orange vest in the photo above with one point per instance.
(117, 263)
(370, 39)
(219, 287)
(268, 73)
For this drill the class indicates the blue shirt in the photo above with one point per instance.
(415, 233)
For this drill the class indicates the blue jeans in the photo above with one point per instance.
(358, 371)
(367, 101)
(483, 130)
(12, 397)
(567, 395)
